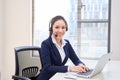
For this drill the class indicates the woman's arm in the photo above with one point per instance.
(72, 55)
(79, 65)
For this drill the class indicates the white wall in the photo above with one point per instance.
(1, 32)
(16, 23)
(15, 29)
(1, 35)
(115, 29)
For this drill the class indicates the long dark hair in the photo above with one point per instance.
(53, 20)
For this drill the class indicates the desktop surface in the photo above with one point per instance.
(111, 71)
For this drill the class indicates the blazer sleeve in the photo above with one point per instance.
(72, 55)
(46, 60)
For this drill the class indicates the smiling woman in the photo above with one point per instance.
(89, 24)
(55, 51)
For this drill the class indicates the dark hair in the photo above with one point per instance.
(53, 20)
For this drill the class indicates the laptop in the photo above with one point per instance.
(98, 68)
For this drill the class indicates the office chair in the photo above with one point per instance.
(27, 67)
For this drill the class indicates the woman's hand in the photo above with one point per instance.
(84, 67)
(78, 68)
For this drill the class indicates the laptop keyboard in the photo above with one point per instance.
(86, 73)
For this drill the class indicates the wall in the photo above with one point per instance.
(16, 23)
(1, 35)
(115, 29)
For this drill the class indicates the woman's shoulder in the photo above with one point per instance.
(47, 41)
(66, 40)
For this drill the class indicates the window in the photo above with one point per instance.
(88, 24)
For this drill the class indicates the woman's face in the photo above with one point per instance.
(59, 28)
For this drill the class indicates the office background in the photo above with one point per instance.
(16, 30)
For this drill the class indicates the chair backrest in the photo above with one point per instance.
(26, 64)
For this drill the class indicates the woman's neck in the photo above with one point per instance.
(58, 41)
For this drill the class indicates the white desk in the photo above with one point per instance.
(110, 72)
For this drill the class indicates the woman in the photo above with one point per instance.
(55, 51)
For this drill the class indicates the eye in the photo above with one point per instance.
(63, 27)
(57, 27)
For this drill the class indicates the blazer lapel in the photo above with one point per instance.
(56, 52)
(66, 55)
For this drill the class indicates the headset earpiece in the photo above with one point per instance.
(50, 26)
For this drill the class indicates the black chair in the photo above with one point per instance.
(27, 67)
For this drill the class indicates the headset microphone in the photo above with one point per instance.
(56, 35)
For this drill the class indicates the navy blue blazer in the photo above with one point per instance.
(51, 59)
